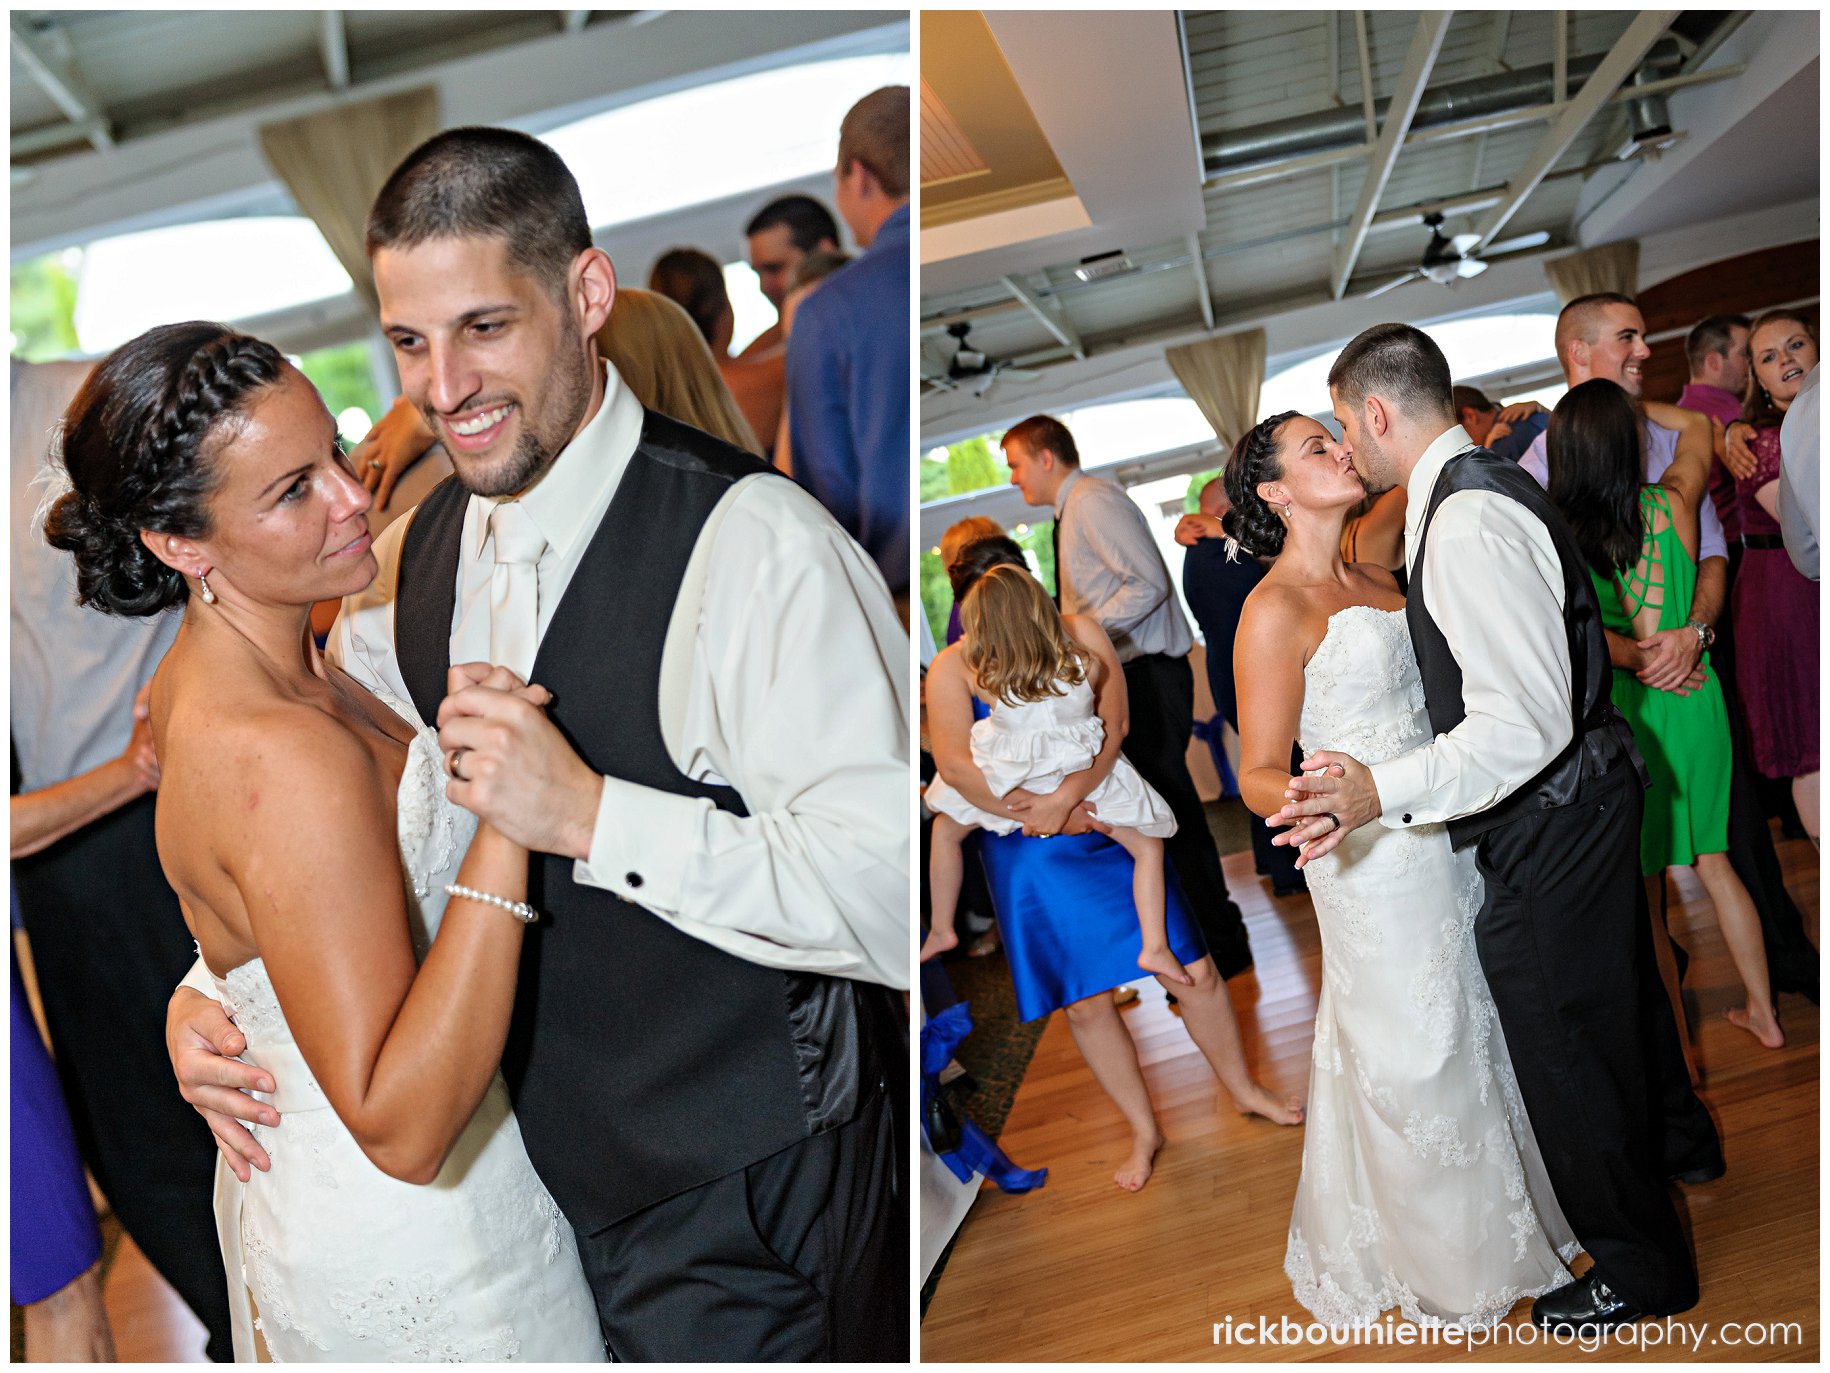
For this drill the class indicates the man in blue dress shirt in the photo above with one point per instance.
(848, 356)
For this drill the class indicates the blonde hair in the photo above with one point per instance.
(964, 534)
(659, 353)
(1016, 644)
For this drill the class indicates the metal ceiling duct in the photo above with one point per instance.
(1236, 150)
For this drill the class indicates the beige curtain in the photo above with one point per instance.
(335, 162)
(1223, 376)
(1611, 267)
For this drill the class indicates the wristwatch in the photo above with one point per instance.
(1706, 633)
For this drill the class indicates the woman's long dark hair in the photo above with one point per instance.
(1596, 472)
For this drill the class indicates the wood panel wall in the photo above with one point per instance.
(1743, 285)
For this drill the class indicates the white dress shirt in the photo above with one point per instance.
(795, 695)
(1494, 586)
(1109, 567)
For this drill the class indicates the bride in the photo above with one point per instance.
(1422, 1186)
(304, 825)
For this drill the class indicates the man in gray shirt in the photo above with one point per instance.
(1108, 567)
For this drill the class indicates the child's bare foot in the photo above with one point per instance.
(1134, 1172)
(1256, 1101)
(1165, 964)
(1762, 1024)
(938, 942)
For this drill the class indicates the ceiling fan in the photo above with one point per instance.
(1447, 260)
(971, 370)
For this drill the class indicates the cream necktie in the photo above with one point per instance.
(514, 588)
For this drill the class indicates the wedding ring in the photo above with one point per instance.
(374, 464)
(1046, 834)
(451, 764)
(1332, 816)
(1337, 769)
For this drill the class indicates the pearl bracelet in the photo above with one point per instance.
(523, 912)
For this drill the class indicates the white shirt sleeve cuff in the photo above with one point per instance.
(1403, 790)
(198, 979)
(641, 844)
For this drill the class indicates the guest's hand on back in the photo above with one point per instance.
(140, 754)
(202, 1043)
(388, 451)
(1518, 410)
(1738, 451)
(1191, 529)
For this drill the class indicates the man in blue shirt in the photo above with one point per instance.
(848, 355)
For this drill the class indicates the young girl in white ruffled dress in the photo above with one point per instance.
(1037, 670)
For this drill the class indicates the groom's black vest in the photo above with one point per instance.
(1600, 738)
(643, 1062)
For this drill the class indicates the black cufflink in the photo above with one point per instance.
(1407, 817)
(632, 879)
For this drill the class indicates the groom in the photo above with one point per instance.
(706, 1043)
(1533, 765)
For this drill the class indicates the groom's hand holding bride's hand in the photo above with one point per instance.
(1333, 795)
(511, 766)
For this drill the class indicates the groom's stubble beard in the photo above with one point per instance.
(535, 452)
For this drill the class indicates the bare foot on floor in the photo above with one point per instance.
(937, 942)
(1165, 964)
(1764, 1028)
(1256, 1101)
(1134, 1172)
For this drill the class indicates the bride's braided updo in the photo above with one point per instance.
(1251, 522)
(136, 444)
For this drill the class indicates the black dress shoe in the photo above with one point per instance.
(1587, 1302)
(1300, 887)
(1707, 1172)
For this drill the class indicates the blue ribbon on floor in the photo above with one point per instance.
(976, 1151)
(1208, 732)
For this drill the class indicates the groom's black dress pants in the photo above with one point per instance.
(1161, 691)
(1568, 955)
(109, 944)
(801, 1257)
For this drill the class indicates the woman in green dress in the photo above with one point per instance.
(1640, 540)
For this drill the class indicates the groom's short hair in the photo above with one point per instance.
(493, 183)
(1399, 363)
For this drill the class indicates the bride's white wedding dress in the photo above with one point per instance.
(343, 1262)
(1422, 1186)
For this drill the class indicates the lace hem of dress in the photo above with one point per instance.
(1328, 1302)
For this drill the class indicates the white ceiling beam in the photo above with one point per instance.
(45, 57)
(1559, 62)
(1366, 91)
(1418, 62)
(1645, 30)
(1502, 30)
(1056, 324)
(1334, 57)
(333, 43)
(1203, 293)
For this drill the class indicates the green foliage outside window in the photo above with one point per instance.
(343, 378)
(42, 314)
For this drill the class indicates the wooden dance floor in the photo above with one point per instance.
(1079, 1270)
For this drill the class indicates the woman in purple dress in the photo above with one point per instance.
(56, 1244)
(1775, 606)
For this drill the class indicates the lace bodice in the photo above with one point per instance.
(1362, 694)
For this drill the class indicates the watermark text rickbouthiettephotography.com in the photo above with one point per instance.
(1260, 1331)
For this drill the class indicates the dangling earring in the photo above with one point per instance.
(209, 597)
(1286, 510)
